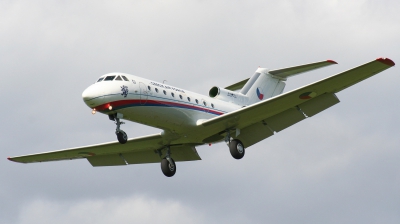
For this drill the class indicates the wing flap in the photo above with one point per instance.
(284, 119)
(255, 133)
(106, 160)
(179, 153)
(318, 104)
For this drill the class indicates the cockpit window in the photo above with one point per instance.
(109, 78)
(100, 79)
(125, 78)
(118, 78)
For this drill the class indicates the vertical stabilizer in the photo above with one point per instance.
(263, 87)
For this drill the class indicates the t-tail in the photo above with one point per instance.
(263, 85)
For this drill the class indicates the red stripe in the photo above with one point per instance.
(138, 102)
(331, 61)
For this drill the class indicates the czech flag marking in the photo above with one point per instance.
(307, 95)
(259, 94)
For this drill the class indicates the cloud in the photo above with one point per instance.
(132, 209)
(339, 166)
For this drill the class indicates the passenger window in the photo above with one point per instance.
(189, 99)
(156, 90)
(172, 94)
(212, 105)
(125, 78)
(148, 87)
(109, 78)
(165, 92)
(118, 78)
(197, 101)
(100, 79)
(180, 96)
(204, 102)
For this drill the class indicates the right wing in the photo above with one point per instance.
(146, 149)
(284, 110)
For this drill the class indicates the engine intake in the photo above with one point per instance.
(227, 95)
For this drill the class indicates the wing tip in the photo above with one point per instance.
(331, 61)
(386, 61)
(9, 158)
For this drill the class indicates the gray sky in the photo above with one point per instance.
(340, 166)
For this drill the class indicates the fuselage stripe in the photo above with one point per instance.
(120, 104)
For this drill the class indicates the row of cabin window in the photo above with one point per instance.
(180, 96)
(111, 78)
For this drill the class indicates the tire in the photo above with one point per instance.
(167, 169)
(122, 137)
(236, 148)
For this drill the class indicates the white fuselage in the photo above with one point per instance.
(140, 100)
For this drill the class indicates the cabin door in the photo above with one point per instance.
(143, 93)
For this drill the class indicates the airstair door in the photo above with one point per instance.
(143, 93)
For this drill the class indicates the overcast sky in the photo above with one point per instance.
(341, 166)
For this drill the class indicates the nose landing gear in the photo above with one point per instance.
(121, 135)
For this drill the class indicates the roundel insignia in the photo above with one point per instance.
(87, 153)
(307, 95)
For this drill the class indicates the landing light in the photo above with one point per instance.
(110, 107)
(94, 111)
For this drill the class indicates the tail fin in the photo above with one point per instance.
(262, 86)
(265, 84)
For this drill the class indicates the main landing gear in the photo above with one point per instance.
(236, 147)
(121, 135)
(168, 166)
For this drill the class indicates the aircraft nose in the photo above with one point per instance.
(91, 96)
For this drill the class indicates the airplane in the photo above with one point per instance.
(241, 114)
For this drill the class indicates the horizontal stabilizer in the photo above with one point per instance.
(295, 70)
(286, 72)
(237, 85)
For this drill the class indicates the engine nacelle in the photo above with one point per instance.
(227, 95)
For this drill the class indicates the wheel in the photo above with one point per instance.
(167, 168)
(237, 149)
(122, 137)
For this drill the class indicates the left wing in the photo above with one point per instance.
(146, 149)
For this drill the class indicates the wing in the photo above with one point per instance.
(262, 119)
(146, 149)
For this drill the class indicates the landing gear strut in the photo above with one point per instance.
(121, 135)
(168, 166)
